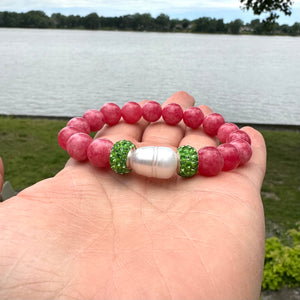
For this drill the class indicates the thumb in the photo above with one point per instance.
(1, 174)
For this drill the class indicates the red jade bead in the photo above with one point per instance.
(79, 123)
(193, 117)
(225, 130)
(212, 123)
(131, 112)
(98, 152)
(172, 113)
(230, 155)
(78, 144)
(239, 134)
(64, 135)
(152, 111)
(111, 113)
(244, 148)
(94, 118)
(210, 161)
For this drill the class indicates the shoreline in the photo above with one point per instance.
(158, 31)
(290, 127)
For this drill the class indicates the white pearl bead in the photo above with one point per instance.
(157, 162)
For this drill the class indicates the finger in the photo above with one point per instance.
(1, 174)
(205, 109)
(124, 131)
(161, 134)
(255, 168)
(197, 138)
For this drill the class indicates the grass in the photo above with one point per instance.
(30, 153)
(281, 188)
(29, 150)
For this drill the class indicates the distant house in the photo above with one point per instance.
(246, 29)
(178, 27)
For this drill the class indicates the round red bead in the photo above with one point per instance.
(111, 113)
(225, 130)
(152, 111)
(210, 161)
(98, 152)
(64, 135)
(95, 119)
(172, 113)
(212, 123)
(245, 151)
(230, 155)
(78, 144)
(79, 123)
(131, 112)
(193, 117)
(237, 135)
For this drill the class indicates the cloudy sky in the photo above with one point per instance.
(190, 9)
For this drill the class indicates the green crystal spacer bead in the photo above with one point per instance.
(188, 161)
(118, 156)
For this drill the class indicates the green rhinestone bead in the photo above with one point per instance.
(118, 156)
(188, 161)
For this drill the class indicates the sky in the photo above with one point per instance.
(190, 9)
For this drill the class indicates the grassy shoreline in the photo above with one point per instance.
(28, 147)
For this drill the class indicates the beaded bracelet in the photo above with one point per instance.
(157, 162)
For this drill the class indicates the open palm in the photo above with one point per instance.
(89, 233)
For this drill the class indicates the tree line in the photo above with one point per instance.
(142, 22)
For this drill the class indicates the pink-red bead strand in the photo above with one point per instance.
(212, 123)
(238, 134)
(80, 124)
(77, 146)
(64, 135)
(112, 113)
(98, 152)
(172, 114)
(152, 111)
(230, 155)
(193, 117)
(234, 151)
(224, 130)
(131, 112)
(245, 151)
(95, 119)
(210, 161)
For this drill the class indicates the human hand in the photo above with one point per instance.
(89, 233)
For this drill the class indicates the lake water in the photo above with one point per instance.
(253, 79)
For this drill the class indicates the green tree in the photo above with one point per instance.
(257, 26)
(270, 7)
(9, 19)
(110, 22)
(58, 20)
(185, 23)
(175, 24)
(126, 22)
(162, 22)
(91, 21)
(35, 19)
(285, 28)
(220, 26)
(74, 21)
(202, 25)
(264, 27)
(235, 26)
(141, 22)
(295, 29)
